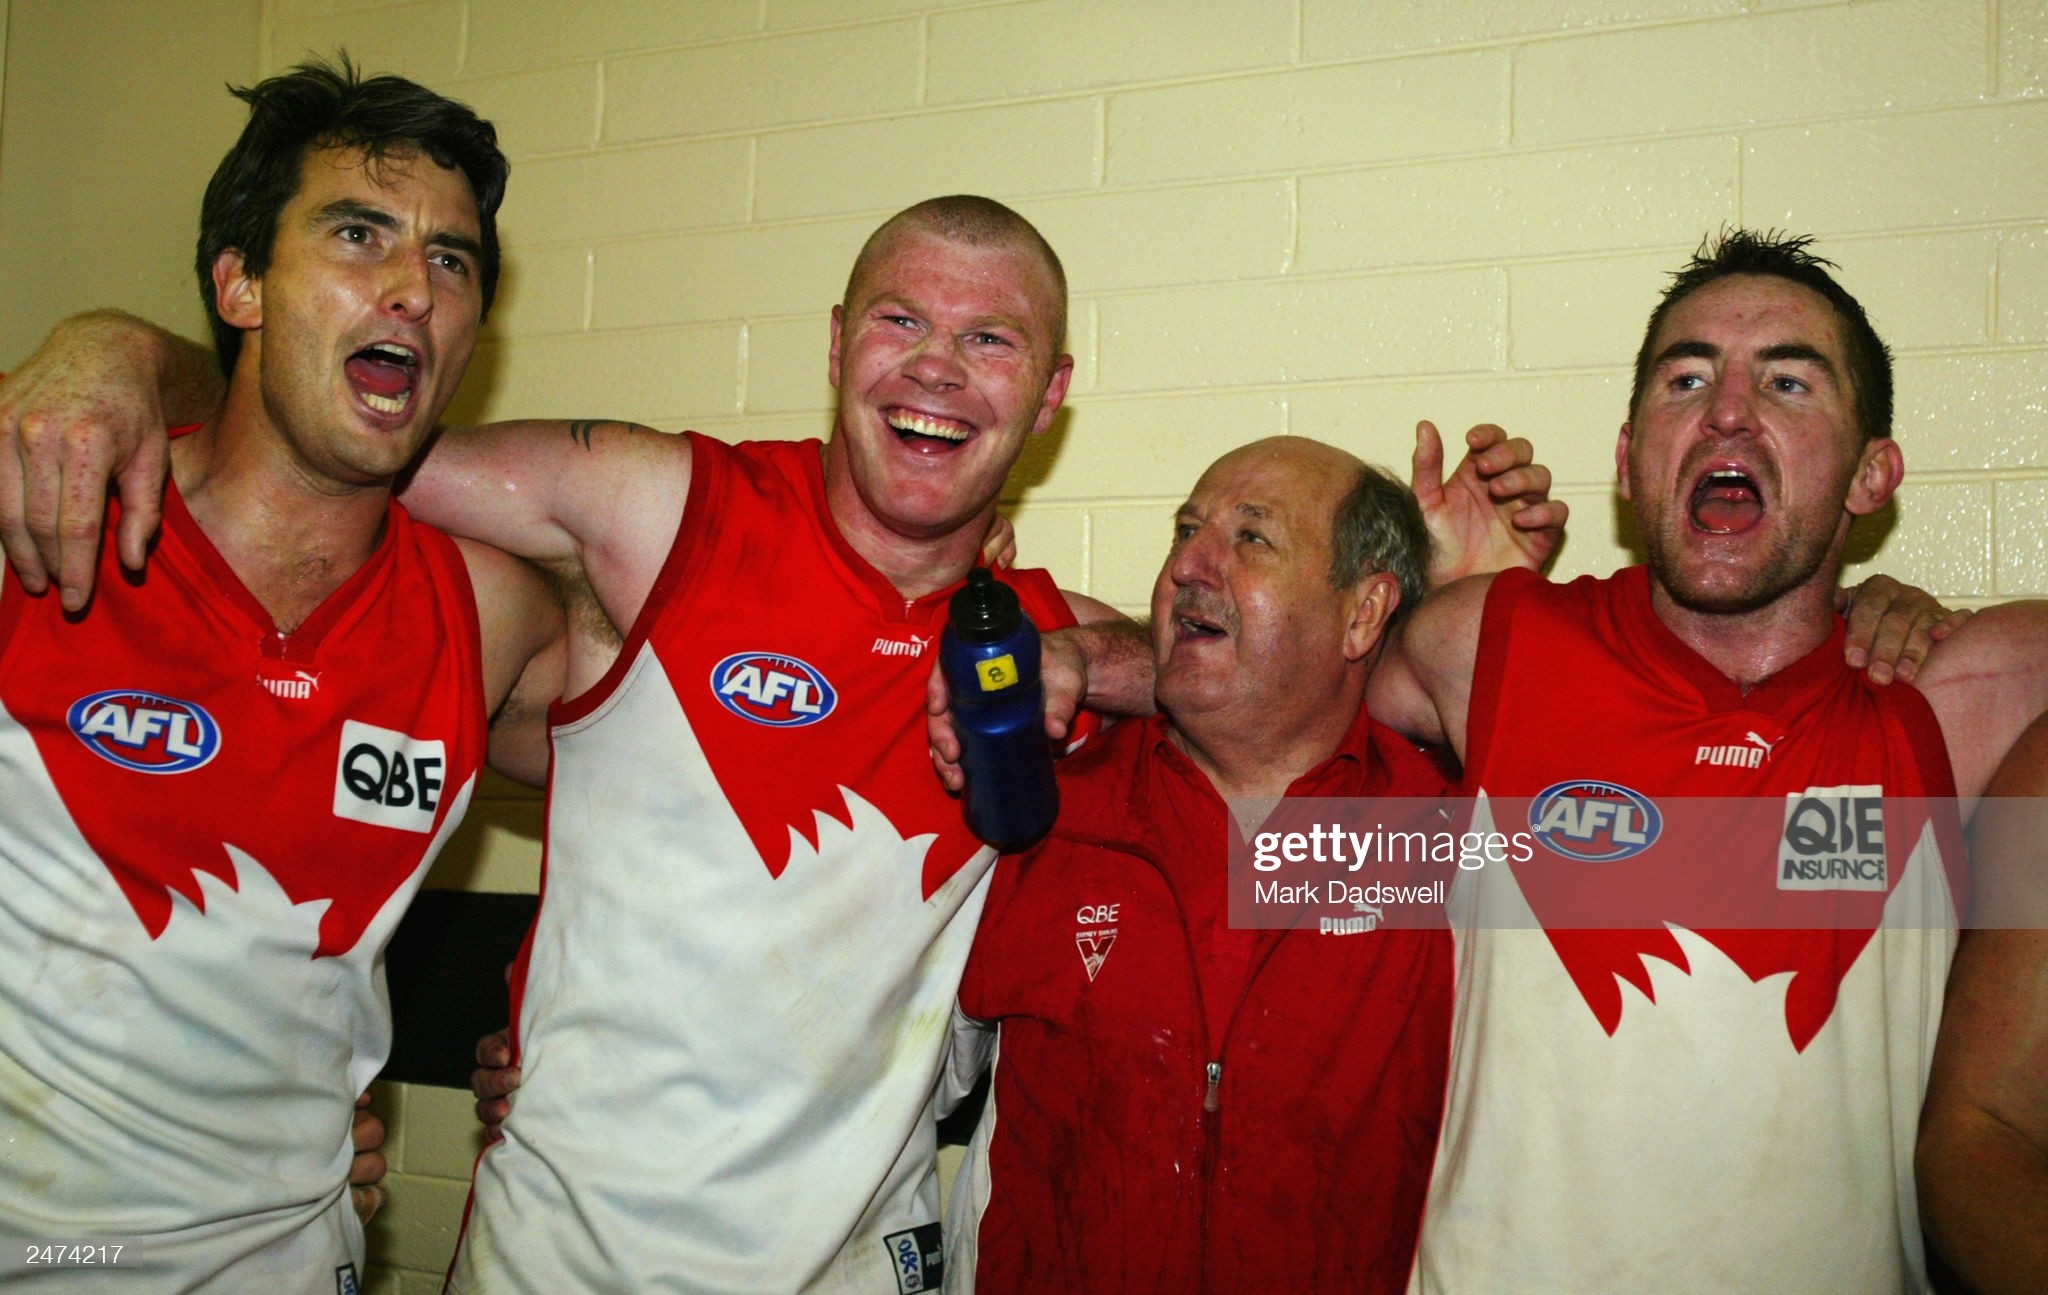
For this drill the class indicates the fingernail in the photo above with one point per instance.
(1881, 673)
(1858, 658)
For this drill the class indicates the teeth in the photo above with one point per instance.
(1727, 474)
(399, 353)
(384, 404)
(927, 427)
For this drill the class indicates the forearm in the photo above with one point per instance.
(188, 377)
(1982, 1160)
(1984, 1194)
(1120, 670)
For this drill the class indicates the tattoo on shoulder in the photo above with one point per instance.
(582, 430)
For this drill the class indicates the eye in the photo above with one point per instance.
(988, 339)
(1182, 530)
(1785, 382)
(1250, 536)
(451, 262)
(354, 233)
(1689, 381)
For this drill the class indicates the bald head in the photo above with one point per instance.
(972, 221)
(1375, 524)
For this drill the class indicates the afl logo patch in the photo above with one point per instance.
(145, 732)
(1598, 822)
(766, 688)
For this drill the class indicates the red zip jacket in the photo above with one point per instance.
(1177, 1105)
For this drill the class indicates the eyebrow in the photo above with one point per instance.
(1257, 512)
(1697, 350)
(891, 300)
(1799, 351)
(363, 213)
(351, 209)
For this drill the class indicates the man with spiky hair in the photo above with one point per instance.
(1677, 1105)
(225, 780)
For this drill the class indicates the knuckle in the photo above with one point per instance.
(35, 428)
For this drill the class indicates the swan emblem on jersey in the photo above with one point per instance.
(786, 775)
(1594, 821)
(772, 689)
(145, 731)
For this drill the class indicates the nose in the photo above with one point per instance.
(1195, 558)
(408, 287)
(1733, 410)
(935, 364)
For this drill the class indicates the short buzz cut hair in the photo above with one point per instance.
(320, 105)
(1379, 528)
(978, 222)
(1783, 256)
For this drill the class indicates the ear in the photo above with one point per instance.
(237, 294)
(1055, 393)
(832, 371)
(1368, 607)
(1878, 473)
(1621, 459)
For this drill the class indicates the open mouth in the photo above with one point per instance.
(925, 433)
(1190, 629)
(384, 375)
(1194, 624)
(1726, 501)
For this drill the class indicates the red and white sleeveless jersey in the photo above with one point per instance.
(1678, 1107)
(210, 830)
(755, 911)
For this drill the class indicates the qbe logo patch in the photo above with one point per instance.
(918, 1258)
(345, 1281)
(388, 779)
(1833, 840)
(145, 731)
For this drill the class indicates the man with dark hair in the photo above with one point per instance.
(1743, 251)
(225, 779)
(1178, 1104)
(1743, 1120)
(324, 106)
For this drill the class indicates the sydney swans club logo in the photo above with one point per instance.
(771, 689)
(1597, 822)
(144, 731)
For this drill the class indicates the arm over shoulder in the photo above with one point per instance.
(1423, 684)
(603, 499)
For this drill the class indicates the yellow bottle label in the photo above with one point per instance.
(997, 673)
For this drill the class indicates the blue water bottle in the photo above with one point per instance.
(989, 654)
